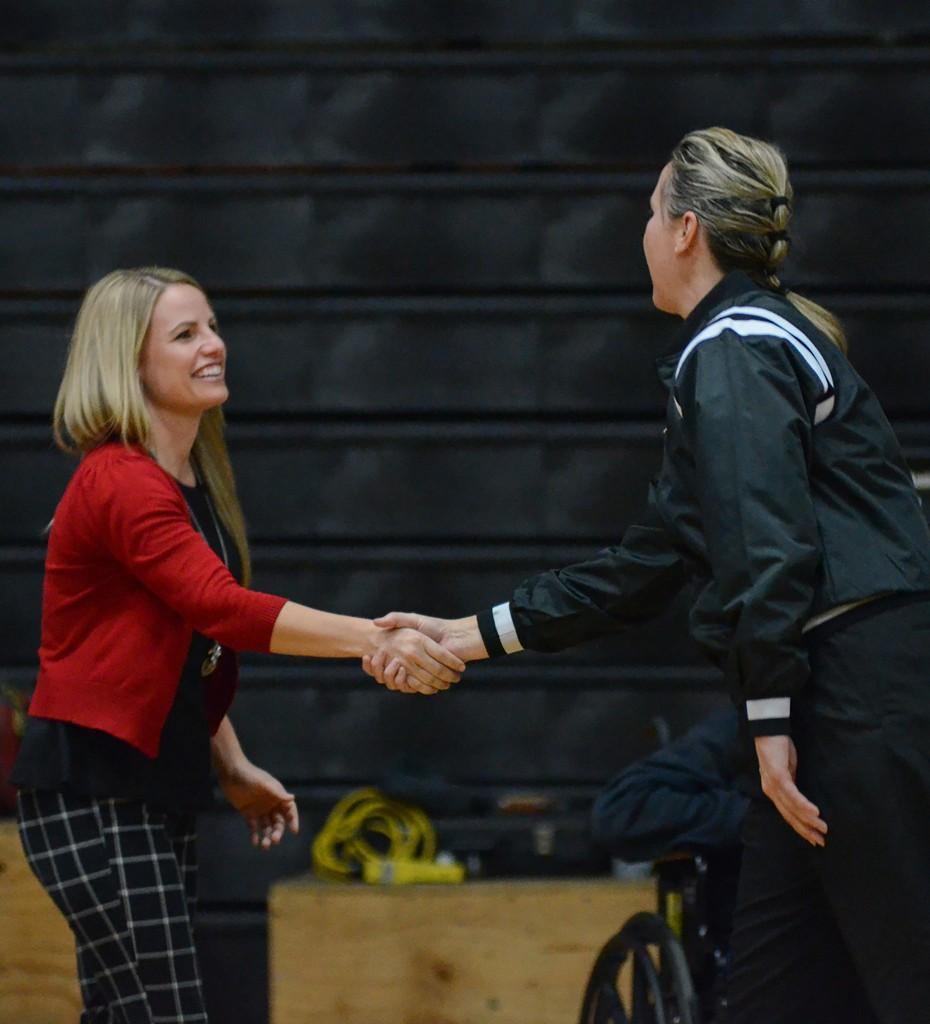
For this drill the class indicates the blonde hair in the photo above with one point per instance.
(739, 190)
(101, 397)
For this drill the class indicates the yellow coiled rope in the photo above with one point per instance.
(366, 826)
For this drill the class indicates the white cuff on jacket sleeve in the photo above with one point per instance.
(770, 707)
(506, 630)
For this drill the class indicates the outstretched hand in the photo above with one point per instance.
(265, 804)
(422, 665)
(778, 765)
(459, 638)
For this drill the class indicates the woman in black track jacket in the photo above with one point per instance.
(784, 502)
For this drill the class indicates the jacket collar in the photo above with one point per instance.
(723, 293)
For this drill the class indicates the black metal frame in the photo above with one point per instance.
(661, 990)
(677, 954)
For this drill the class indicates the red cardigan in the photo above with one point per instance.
(127, 580)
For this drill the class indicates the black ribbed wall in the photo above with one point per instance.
(420, 225)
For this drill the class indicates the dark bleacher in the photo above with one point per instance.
(421, 228)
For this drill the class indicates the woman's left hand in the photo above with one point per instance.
(778, 765)
(265, 804)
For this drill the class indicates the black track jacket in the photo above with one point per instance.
(783, 496)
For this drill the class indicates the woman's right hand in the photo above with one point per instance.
(428, 667)
(461, 637)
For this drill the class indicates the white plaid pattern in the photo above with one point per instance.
(124, 875)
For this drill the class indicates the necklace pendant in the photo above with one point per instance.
(208, 665)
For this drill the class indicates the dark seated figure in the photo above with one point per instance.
(688, 796)
(683, 807)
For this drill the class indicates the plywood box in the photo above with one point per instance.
(503, 952)
(38, 976)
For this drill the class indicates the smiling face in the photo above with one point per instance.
(183, 365)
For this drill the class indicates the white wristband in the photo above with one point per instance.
(770, 707)
(506, 631)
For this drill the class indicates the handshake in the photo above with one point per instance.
(420, 654)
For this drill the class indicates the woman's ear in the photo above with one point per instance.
(687, 234)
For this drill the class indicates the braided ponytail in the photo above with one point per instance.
(739, 190)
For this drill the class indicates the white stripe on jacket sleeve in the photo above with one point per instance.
(769, 707)
(506, 630)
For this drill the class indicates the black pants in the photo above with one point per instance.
(124, 877)
(841, 935)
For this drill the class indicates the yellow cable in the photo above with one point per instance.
(343, 846)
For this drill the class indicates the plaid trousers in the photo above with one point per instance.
(124, 875)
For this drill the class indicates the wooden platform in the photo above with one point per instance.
(38, 979)
(505, 952)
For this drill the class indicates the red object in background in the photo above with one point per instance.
(12, 723)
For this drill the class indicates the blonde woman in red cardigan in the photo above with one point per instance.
(145, 601)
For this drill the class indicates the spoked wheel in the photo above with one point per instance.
(660, 989)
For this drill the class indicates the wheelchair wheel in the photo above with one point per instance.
(661, 991)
